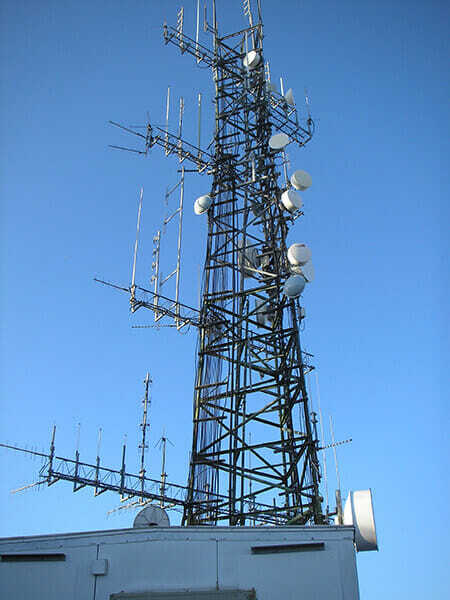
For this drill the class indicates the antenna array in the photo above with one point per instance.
(255, 444)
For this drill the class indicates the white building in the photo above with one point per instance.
(164, 563)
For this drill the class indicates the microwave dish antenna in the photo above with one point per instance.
(151, 516)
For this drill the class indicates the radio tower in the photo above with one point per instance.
(255, 447)
(253, 438)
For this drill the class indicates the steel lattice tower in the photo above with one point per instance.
(255, 447)
(253, 438)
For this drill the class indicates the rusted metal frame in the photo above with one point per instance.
(227, 468)
(245, 318)
(300, 453)
(303, 474)
(270, 445)
(257, 419)
(227, 326)
(218, 348)
(249, 417)
(271, 235)
(230, 360)
(246, 420)
(263, 466)
(258, 359)
(232, 233)
(261, 509)
(312, 454)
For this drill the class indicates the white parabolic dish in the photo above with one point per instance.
(358, 511)
(291, 200)
(151, 516)
(202, 204)
(294, 286)
(301, 180)
(298, 254)
(251, 59)
(279, 141)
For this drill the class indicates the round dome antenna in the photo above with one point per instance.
(294, 286)
(251, 59)
(298, 254)
(301, 180)
(279, 141)
(151, 516)
(291, 200)
(202, 204)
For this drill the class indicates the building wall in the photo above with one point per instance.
(307, 563)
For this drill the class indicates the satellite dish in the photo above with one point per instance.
(358, 511)
(202, 204)
(291, 200)
(289, 97)
(251, 59)
(151, 516)
(298, 254)
(279, 141)
(294, 286)
(301, 180)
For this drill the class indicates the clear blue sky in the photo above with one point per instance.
(376, 219)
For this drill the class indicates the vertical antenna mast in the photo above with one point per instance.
(340, 519)
(133, 272)
(167, 121)
(197, 32)
(143, 445)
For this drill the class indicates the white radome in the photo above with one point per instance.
(301, 180)
(202, 204)
(294, 286)
(251, 59)
(358, 511)
(298, 255)
(291, 200)
(279, 141)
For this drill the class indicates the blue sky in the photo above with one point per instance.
(375, 218)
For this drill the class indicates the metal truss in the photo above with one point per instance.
(253, 436)
(255, 446)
